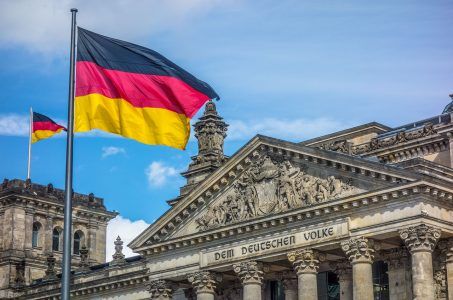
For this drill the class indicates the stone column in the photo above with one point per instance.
(28, 228)
(343, 269)
(421, 240)
(290, 288)
(449, 267)
(205, 283)
(161, 289)
(251, 275)
(306, 264)
(48, 234)
(360, 253)
(400, 282)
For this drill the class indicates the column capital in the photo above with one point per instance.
(395, 258)
(161, 289)
(359, 250)
(343, 269)
(305, 260)
(204, 281)
(420, 238)
(250, 272)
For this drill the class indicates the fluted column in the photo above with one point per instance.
(306, 264)
(343, 270)
(290, 288)
(205, 284)
(400, 282)
(251, 275)
(161, 289)
(421, 240)
(360, 253)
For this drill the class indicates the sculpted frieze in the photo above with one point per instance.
(270, 186)
(400, 137)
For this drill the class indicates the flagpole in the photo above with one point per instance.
(67, 230)
(29, 143)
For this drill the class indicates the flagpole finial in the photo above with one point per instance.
(74, 10)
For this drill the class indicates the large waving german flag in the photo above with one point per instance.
(135, 92)
(43, 127)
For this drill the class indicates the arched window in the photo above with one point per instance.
(56, 239)
(35, 235)
(78, 241)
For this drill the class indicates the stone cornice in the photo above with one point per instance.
(223, 177)
(92, 287)
(48, 204)
(349, 204)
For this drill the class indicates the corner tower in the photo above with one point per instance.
(210, 131)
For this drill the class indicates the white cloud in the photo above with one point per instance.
(157, 173)
(127, 230)
(112, 150)
(44, 26)
(293, 130)
(14, 125)
(18, 125)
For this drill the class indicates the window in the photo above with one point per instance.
(56, 239)
(78, 241)
(35, 235)
(380, 281)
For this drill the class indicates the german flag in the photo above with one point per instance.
(43, 127)
(135, 92)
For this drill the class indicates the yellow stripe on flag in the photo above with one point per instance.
(43, 134)
(153, 126)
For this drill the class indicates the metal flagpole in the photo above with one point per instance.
(29, 143)
(67, 230)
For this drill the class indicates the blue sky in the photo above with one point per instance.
(289, 69)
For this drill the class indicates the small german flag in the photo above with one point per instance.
(135, 92)
(43, 127)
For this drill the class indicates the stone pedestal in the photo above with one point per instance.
(205, 283)
(360, 253)
(400, 282)
(343, 269)
(251, 275)
(290, 288)
(306, 264)
(421, 240)
(161, 289)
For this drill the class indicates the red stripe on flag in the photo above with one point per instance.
(46, 126)
(140, 90)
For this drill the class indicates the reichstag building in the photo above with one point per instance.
(363, 213)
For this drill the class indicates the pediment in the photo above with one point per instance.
(268, 177)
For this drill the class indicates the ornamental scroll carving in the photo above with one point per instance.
(272, 187)
(398, 138)
(420, 238)
(359, 249)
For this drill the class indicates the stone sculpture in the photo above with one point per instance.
(271, 187)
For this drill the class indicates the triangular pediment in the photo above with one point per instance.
(265, 177)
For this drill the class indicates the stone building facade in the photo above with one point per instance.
(31, 232)
(364, 213)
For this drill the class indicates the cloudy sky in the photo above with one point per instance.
(288, 69)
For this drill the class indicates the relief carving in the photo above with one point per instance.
(271, 187)
(420, 238)
(398, 138)
(338, 146)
